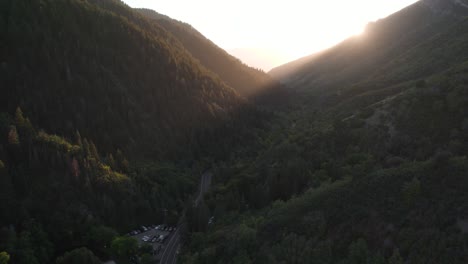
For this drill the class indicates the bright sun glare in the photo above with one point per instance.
(265, 34)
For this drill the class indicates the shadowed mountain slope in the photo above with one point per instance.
(244, 79)
(103, 69)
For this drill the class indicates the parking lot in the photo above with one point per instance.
(154, 236)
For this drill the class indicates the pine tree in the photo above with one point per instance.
(13, 138)
(94, 152)
(24, 128)
(122, 163)
(19, 117)
(86, 149)
(78, 139)
(111, 161)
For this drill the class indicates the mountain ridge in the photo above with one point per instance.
(359, 56)
(151, 78)
(366, 163)
(248, 81)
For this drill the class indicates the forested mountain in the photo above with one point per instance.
(105, 124)
(105, 70)
(370, 165)
(108, 115)
(421, 38)
(247, 81)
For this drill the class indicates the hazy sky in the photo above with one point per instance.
(267, 33)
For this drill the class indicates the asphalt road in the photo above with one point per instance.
(169, 255)
(204, 186)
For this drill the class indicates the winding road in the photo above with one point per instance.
(169, 255)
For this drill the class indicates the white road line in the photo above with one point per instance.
(174, 259)
(169, 244)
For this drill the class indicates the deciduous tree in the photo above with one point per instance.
(79, 256)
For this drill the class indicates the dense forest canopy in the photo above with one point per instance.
(109, 115)
(115, 76)
(130, 116)
(370, 163)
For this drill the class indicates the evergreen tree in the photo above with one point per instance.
(86, 148)
(122, 163)
(13, 138)
(19, 118)
(94, 152)
(111, 161)
(25, 129)
(78, 139)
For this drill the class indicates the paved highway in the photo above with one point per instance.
(169, 255)
(204, 186)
